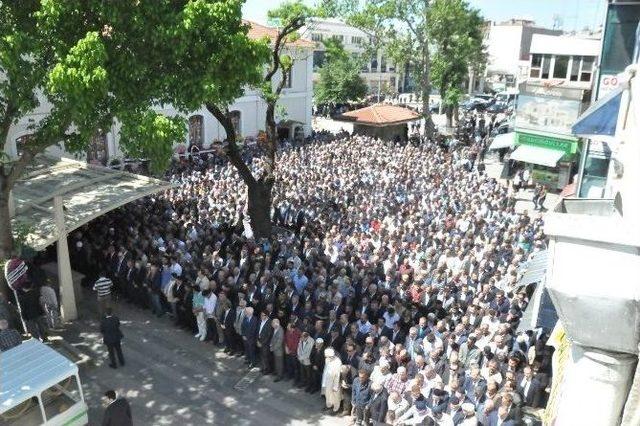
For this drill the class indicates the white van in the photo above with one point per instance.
(38, 386)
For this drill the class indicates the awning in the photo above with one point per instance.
(535, 269)
(505, 140)
(537, 155)
(87, 191)
(601, 118)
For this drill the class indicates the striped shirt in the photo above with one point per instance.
(103, 286)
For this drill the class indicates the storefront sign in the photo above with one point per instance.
(608, 83)
(565, 145)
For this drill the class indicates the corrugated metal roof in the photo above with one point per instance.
(28, 368)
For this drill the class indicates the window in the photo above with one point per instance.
(338, 37)
(383, 64)
(536, 65)
(60, 397)
(25, 413)
(356, 40)
(546, 64)
(316, 37)
(587, 68)
(560, 67)
(97, 150)
(318, 59)
(620, 37)
(289, 76)
(575, 68)
(236, 120)
(196, 130)
(374, 64)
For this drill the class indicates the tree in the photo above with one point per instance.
(340, 79)
(455, 29)
(289, 17)
(94, 62)
(399, 27)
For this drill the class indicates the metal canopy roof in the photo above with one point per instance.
(87, 191)
(28, 369)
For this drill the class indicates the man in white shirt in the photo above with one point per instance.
(209, 306)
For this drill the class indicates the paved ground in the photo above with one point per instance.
(170, 378)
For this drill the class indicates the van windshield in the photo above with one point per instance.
(60, 397)
(27, 413)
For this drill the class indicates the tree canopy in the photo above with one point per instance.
(340, 79)
(85, 64)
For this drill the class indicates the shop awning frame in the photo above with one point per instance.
(537, 155)
(505, 140)
(601, 118)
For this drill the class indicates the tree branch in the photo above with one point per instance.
(233, 153)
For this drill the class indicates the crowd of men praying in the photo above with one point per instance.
(390, 285)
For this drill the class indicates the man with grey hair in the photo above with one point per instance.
(276, 346)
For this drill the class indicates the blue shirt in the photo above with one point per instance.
(300, 282)
(165, 277)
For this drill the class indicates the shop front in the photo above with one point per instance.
(550, 159)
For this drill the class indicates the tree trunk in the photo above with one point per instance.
(449, 113)
(6, 233)
(259, 208)
(429, 128)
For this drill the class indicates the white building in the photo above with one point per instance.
(248, 110)
(508, 47)
(563, 60)
(380, 75)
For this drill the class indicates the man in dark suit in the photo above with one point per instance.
(529, 388)
(397, 335)
(226, 322)
(112, 336)
(118, 412)
(249, 332)
(265, 330)
(377, 408)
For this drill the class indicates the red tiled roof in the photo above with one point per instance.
(257, 31)
(380, 115)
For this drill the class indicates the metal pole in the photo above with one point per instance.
(24, 326)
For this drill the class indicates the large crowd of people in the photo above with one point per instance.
(390, 285)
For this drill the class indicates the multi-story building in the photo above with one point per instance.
(508, 46)
(379, 73)
(248, 112)
(555, 90)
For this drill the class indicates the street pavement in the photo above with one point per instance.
(170, 378)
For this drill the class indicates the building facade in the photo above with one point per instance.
(248, 112)
(508, 46)
(556, 90)
(379, 73)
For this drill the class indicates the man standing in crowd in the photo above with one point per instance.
(112, 337)
(330, 387)
(9, 337)
(102, 287)
(276, 346)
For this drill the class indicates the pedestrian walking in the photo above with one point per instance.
(49, 303)
(103, 287)
(32, 313)
(112, 337)
(118, 411)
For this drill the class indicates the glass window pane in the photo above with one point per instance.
(546, 64)
(560, 67)
(575, 67)
(535, 73)
(27, 413)
(60, 397)
(587, 63)
(619, 38)
(585, 76)
(536, 60)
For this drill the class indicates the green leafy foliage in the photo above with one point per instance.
(455, 29)
(340, 79)
(151, 135)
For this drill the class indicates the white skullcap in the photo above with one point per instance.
(319, 340)
(329, 353)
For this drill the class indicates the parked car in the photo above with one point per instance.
(497, 107)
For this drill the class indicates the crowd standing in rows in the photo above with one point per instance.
(393, 291)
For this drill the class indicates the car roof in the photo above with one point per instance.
(28, 369)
